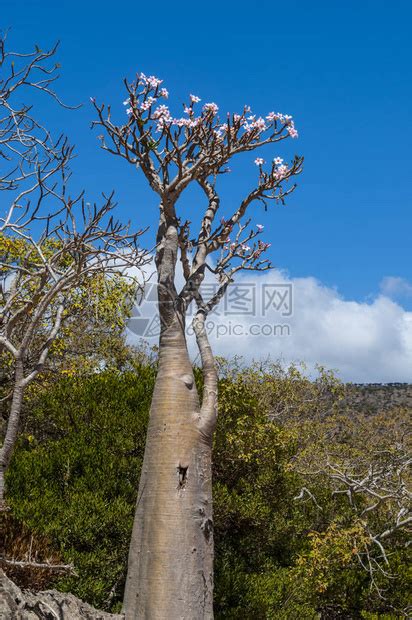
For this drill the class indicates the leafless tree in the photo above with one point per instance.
(50, 243)
(367, 459)
(170, 571)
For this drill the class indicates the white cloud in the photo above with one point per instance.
(394, 287)
(362, 341)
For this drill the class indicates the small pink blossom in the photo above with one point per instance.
(259, 161)
(188, 110)
(211, 107)
(195, 99)
(153, 82)
(164, 93)
(281, 172)
(145, 105)
(129, 110)
(181, 122)
(259, 124)
(161, 110)
(260, 227)
(245, 248)
(292, 132)
(278, 161)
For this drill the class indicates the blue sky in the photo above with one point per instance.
(342, 69)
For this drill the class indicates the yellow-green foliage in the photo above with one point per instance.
(74, 478)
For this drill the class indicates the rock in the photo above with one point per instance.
(16, 604)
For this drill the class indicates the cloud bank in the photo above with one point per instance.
(362, 341)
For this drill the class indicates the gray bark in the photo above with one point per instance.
(12, 429)
(170, 568)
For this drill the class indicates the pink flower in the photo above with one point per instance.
(153, 82)
(195, 99)
(211, 107)
(259, 227)
(164, 93)
(129, 111)
(145, 105)
(259, 124)
(281, 172)
(245, 248)
(259, 161)
(181, 122)
(292, 131)
(278, 161)
(188, 110)
(162, 113)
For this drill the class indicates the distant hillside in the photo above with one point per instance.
(375, 397)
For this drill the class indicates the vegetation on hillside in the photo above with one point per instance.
(292, 540)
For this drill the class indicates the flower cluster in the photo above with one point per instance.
(152, 81)
(284, 119)
(211, 108)
(281, 172)
(148, 92)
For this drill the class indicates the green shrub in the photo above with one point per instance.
(74, 479)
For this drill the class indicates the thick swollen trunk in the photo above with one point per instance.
(170, 571)
(6, 451)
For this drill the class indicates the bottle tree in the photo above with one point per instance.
(170, 568)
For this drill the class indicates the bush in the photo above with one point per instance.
(74, 478)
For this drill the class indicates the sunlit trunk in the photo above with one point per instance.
(10, 439)
(170, 570)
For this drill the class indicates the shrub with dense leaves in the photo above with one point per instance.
(280, 553)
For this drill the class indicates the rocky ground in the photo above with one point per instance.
(16, 604)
